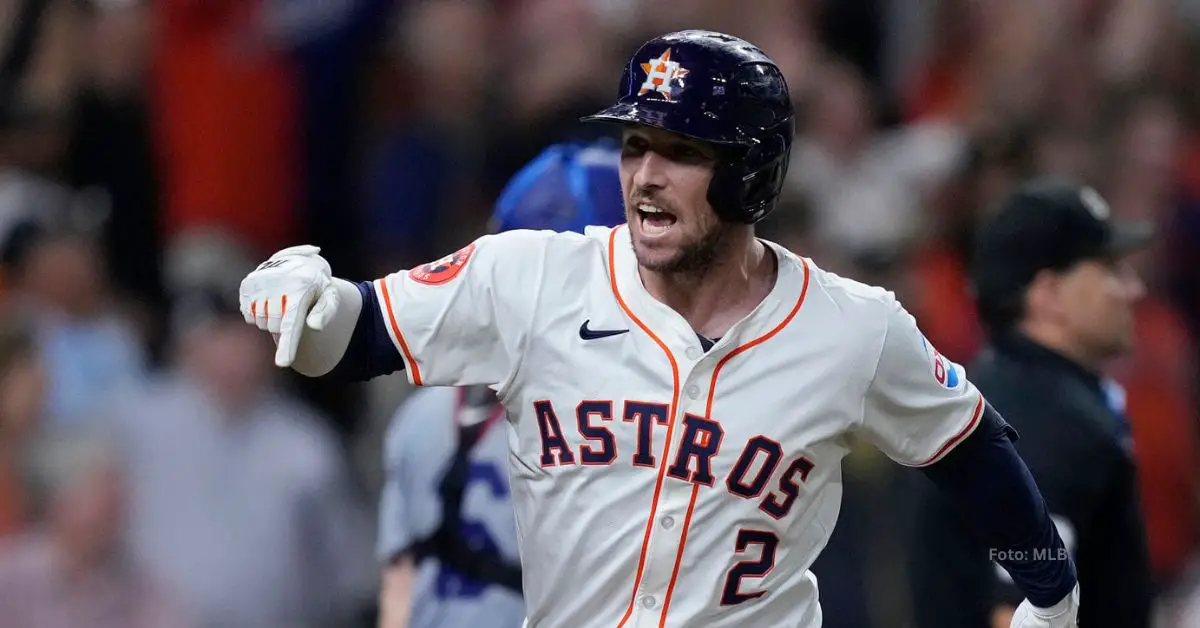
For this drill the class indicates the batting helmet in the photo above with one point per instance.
(566, 188)
(723, 91)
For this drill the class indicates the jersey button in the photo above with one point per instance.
(692, 352)
(693, 391)
(668, 522)
(649, 601)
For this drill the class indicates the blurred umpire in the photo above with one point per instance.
(1054, 290)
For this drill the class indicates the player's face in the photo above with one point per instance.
(664, 178)
(1096, 303)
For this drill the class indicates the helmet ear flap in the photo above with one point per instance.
(725, 188)
(746, 183)
(763, 184)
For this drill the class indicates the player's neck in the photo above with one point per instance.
(713, 301)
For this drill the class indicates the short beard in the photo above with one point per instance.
(695, 260)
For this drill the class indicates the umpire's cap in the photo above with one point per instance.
(567, 187)
(1044, 224)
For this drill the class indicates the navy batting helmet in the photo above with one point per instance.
(723, 91)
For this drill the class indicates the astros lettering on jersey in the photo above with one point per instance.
(654, 483)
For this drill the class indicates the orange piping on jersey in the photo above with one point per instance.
(662, 460)
(387, 304)
(957, 437)
(283, 307)
(687, 522)
(753, 343)
(712, 388)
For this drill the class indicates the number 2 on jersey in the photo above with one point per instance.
(767, 542)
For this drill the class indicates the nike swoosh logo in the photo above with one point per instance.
(592, 334)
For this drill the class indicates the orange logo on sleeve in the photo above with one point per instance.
(440, 271)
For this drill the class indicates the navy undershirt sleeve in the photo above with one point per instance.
(994, 491)
(371, 352)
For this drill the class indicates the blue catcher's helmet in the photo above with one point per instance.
(723, 91)
(566, 188)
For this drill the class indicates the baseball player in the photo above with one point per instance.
(447, 534)
(678, 391)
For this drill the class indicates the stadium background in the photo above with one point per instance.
(150, 151)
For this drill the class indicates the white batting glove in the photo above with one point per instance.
(293, 289)
(1061, 615)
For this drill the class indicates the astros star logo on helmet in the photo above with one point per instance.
(661, 74)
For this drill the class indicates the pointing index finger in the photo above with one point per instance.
(291, 326)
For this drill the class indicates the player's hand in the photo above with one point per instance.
(292, 290)
(1061, 615)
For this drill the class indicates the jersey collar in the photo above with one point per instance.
(771, 315)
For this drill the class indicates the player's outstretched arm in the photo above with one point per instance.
(461, 320)
(321, 324)
(922, 411)
(994, 491)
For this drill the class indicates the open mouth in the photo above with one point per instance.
(655, 220)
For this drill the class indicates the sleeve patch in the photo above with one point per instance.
(945, 372)
(443, 270)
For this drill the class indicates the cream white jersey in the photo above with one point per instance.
(656, 483)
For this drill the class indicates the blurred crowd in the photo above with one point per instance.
(156, 470)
